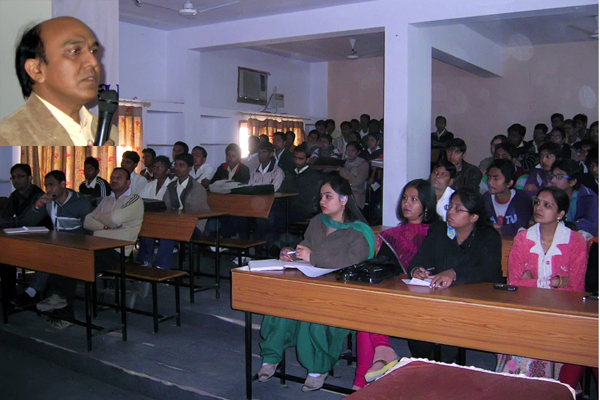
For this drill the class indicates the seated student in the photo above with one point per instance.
(183, 193)
(558, 136)
(356, 171)
(509, 208)
(486, 162)
(267, 172)
(467, 175)
(415, 211)
(334, 239)
(67, 210)
(252, 160)
(548, 255)
(156, 189)
(539, 137)
(556, 120)
(441, 134)
(354, 137)
(118, 216)
(505, 151)
(232, 168)
(93, 187)
(290, 138)
(342, 141)
(330, 130)
(202, 172)
(148, 156)
(179, 147)
(583, 209)
(284, 158)
(590, 179)
(326, 149)
(312, 142)
(539, 177)
(442, 178)
(579, 152)
(593, 132)
(579, 129)
(130, 161)
(525, 152)
(19, 201)
(372, 150)
(466, 249)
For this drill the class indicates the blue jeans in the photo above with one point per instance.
(163, 256)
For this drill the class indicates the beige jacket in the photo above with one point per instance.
(34, 125)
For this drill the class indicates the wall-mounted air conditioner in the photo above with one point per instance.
(252, 86)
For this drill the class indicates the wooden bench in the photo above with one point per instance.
(152, 276)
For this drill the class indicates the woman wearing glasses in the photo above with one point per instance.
(548, 255)
(583, 202)
(465, 249)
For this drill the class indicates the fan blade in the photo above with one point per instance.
(219, 6)
(589, 33)
(158, 6)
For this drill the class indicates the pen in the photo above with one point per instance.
(288, 253)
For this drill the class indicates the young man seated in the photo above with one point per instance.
(232, 168)
(505, 151)
(539, 177)
(130, 161)
(467, 175)
(525, 153)
(157, 187)
(267, 172)
(67, 210)
(282, 156)
(510, 209)
(442, 178)
(94, 188)
(486, 162)
(118, 216)
(441, 134)
(202, 172)
(558, 136)
(148, 156)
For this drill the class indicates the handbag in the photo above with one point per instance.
(373, 270)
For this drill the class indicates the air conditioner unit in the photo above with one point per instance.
(252, 86)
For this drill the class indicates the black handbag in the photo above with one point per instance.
(374, 270)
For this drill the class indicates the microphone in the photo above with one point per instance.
(108, 102)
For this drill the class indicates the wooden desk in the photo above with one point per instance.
(241, 205)
(539, 323)
(64, 254)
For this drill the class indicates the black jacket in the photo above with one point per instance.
(17, 205)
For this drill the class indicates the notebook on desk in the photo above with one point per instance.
(26, 229)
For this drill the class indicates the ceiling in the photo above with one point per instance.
(560, 26)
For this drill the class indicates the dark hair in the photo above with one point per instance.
(456, 143)
(367, 116)
(266, 146)
(559, 116)
(30, 46)
(559, 130)
(426, 197)
(520, 129)
(186, 148)
(204, 153)
(585, 142)
(503, 139)
(164, 160)
(301, 148)
(263, 138)
(56, 174)
(320, 122)
(342, 187)
(568, 121)
(24, 167)
(447, 165)
(507, 169)
(355, 134)
(354, 120)
(149, 151)
(594, 124)
(327, 137)
(280, 134)
(356, 145)
(313, 132)
(553, 148)
(440, 118)
(541, 127)
(592, 156)
(186, 158)
(346, 123)
(132, 155)
(233, 147)
(560, 197)
(127, 174)
(290, 134)
(329, 121)
(93, 162)
(581, 117)
(509, 148)
(473, 201)
(571, 168)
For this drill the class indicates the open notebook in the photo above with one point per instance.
(26, 229)
(278, 265)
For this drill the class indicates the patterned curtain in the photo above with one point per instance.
(270, 126)
(69, 159)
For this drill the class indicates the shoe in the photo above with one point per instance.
(245, 261)
(146, 264)
(23, 301)
(52, 302)
(145, 289)
(313, 383)
(266, 372)
(60, 324)
(371, 376)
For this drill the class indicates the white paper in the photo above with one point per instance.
(278, 265)
(417, 282)
(26, 229)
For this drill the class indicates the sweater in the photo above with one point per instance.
(67, 217)
(242, 175)
(468, 176)
(306, 184)
(193, 198)
(272, 176)
(17, 205)
(356, 172)
(567, 256)
(99, 188)
(517, 216)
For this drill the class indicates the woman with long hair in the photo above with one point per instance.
(548, 255)
(335, 238)
(416, 210)
(356, 171)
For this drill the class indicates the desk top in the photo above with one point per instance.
(197, 214)
(64, 239)
(279, 195)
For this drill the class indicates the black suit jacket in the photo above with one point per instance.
(286, 161)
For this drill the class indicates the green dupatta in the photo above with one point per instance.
(357, 226)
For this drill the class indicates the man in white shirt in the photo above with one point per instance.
(442, 178)
(130, 161)
(267, 172)
(201, 172)
(59, 73)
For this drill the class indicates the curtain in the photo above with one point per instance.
(70, 159)
(269, 126)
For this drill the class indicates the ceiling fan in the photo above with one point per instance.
(353, 53)
(591, 34)
(188, 10)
